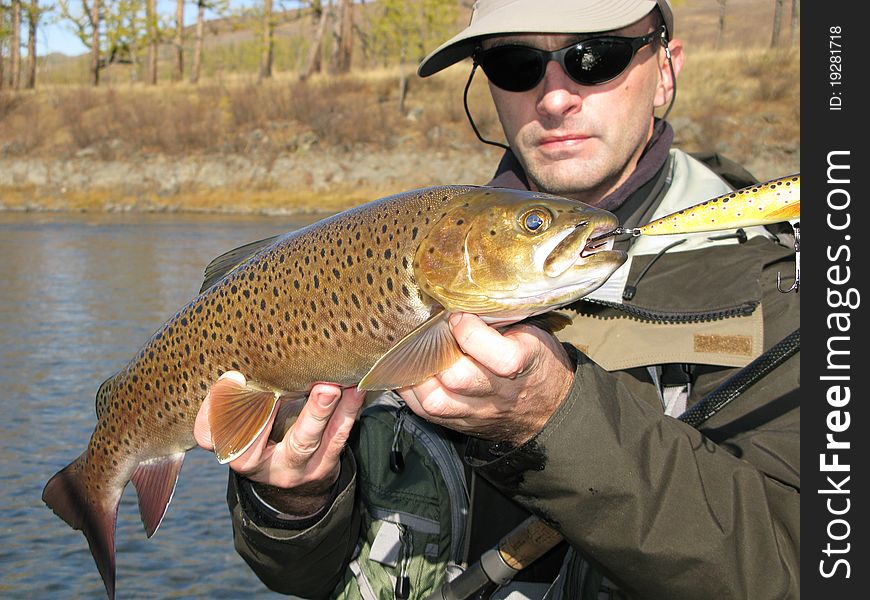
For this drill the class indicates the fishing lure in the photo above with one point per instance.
(766, 203)
(775, 201)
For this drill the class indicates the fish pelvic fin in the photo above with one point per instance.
(427, 350)
(155, 483)
(67, 495)
(238, 414)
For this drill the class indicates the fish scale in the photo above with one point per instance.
(361, 298)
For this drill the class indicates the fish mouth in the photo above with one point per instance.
(584, 247)
(595, 244)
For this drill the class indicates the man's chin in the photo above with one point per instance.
(564, 182)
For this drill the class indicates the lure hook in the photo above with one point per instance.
(797, 267)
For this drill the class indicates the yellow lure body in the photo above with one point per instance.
(774, 201)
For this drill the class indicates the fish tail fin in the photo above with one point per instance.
(67, 495)
(155, 481)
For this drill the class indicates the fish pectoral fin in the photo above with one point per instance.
(155, 483)
(226, 262)
(238, 414)
(550, 322)
(427, 350)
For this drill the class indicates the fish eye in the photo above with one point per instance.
(535, 220)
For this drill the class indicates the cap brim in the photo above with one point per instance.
(527, 16)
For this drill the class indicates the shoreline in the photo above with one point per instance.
(299, 183)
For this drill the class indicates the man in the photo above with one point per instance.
(580, 434)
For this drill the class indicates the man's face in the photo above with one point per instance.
(583, 141)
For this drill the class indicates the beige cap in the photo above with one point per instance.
(494, 17)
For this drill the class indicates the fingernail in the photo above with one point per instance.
(327, 399)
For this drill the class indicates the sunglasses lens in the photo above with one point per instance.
(513, 68)
(598, 61)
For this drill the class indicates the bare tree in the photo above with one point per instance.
(777, 23)
(178, 73)
(320, 19)
(15, 46)
(795, 21)
(342, 47)
(268, 41)
(34, 12)
(200, 34)
(95, 39)
(151, 29)
(720, 32)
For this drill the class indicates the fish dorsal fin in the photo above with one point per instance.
(549, 321)
(427, 350)
(155, 483)
(238, 414)
(226, 262)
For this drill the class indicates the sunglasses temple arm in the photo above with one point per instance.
(666, 46)
(468, 112)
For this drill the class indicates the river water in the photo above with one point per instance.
(79, 295)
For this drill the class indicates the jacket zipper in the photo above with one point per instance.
(644, 314)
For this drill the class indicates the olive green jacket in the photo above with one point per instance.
(656, 508)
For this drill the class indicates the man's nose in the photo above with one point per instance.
(559, 94)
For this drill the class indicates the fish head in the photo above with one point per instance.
(514, 253)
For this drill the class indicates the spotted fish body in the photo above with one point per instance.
(360, 298)
(774, 201)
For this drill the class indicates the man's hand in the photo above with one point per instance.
(305, 464)
(504, 389)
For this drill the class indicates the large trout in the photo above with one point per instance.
(361, 298)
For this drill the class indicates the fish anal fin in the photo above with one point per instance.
(155, 483)
(238, 414)
(427, 350)
(226, 262)
(549, 321)
(66, 494)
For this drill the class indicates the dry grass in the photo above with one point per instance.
(732, 101)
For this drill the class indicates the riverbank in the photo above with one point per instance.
(318, 182)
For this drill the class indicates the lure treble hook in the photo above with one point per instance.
(797, 267)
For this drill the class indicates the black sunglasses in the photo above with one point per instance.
(594, 61)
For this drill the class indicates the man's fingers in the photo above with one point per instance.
(502, 355)
(201, 428)
(342, 421)
(306, 434)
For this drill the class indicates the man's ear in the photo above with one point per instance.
(665, 89)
